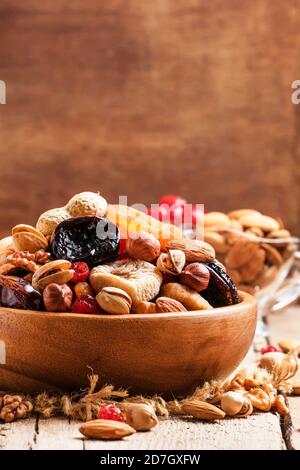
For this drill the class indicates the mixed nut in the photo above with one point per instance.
(251, 245)
(77, 260)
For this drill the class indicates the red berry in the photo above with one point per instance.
(268, 349)
(110, 412)
(161, 213)
(81, 271)
(172, 200)
(122, 247)
(85, 304)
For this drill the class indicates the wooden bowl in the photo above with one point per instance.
(159, 353)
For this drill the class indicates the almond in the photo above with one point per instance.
(217, 241)
(216, 219)
(165, 305)
(194, 250)
(105, 429)
(273, 255)
(266, 223)
(239, 213)
(240, 253)
(288, 345)
(202, 410)
(296, 387)
(254, 267)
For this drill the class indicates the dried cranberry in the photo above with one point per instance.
(85, 304)
(269, 348)
(81, 271)
(110, 412)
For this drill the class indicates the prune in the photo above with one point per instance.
(93, 240)
(221, 289)
(17, 293)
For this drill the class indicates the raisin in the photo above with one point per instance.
(221, 290)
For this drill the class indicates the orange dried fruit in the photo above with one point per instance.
(130, 220)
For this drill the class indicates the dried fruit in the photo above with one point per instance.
(165, 304)
(110, 412)
(194, 250)
(202, 410)
(57, 298)
(92, 240)
(81, 272)
(140, 416)
(221, 289)
(57, 272)
(140, 279)
(235, 404)
(83, 288)
(144, 307)
(172, 200)
(268, 349)
(172, 262)
(105, 429)
(196, 276)
(189, 298)
(86, 304)
(17, 293)
(87, 203)
(143, 246)
(114, 300)
(130, 220)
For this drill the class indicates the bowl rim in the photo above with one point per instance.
(228, 310)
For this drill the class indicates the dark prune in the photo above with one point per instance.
(17, 293)
(221, 290)
(93, 240)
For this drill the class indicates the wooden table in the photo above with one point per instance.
(259, 431)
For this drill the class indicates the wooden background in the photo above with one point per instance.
(143, 97)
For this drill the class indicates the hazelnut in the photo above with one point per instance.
(57, 298)
(196, 276)
(114, 300)
(166, 304)
(142, 245)
(172, 262)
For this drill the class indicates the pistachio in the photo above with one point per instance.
(140, 416)
(142, 245)
(27, 238)
(235, 404)
(172, 262)
(57, 272)
(196, 276)
(114, 300)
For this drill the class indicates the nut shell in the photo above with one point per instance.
(172, 262)
(142, 245)
(87, 203)
(165, 305)
(196, 276)
(28, 238)
(114, 300)
(49, 220)
(57, 272)
(57, 298)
